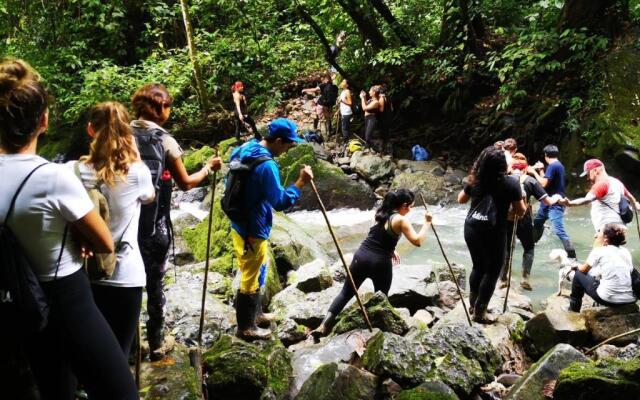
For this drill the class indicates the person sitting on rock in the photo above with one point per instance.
(612, 264)
(376, 254)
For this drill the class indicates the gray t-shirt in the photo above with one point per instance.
(613, 265)
(172, 149)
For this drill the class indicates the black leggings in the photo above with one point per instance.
(240, 126)
(487, 249)
(365, 264)
(78, 341)
(525, 234)
(370, 122)
(121, 308)
(584, 283)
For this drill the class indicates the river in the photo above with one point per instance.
(351, 226)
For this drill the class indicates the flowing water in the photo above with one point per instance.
(351, 226)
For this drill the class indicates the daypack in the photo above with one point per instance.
(233, 199)
(626, 212)
(23, 303)
(329, 95)
(419, 153)
(484, 214)
(313, 137)
(354, 145)
(151, 151)
(635, 282)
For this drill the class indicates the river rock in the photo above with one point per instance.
(412, 288)
(237, 369)
(547, 369)
(311, 277)
(417, 166)
(603, 379)
(339, 382)
(461, 357)
(381, 314)
(423, 318)
(337, 268)
(431, 186)
(172, 378)
(289, 332)
(292, 246)
(448, 294)
(606, 322)
(554, 326)
(371, 167)
(624, 353)
(335, 349)
(428, 391)
(195, 195)
(443, 273)
(506, 336)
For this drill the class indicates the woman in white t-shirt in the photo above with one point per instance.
(114, 167)
(346, 113)
(77, 340)
(606, 275)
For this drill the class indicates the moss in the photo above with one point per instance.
(381, 314)
(221, 244)
(421, 393)
(607, 378)
(280, 371)
(318, 385)
(194, 159)
(517, 333)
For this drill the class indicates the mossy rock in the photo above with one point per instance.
(194, 159)
(175, 379)
(602, 379)
(381, 314)
(423, 392)
(338, 382)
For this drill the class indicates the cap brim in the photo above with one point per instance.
(583, 174)
(298, 140)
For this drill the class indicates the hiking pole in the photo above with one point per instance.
(510, 262)
(611, 339)
(637, 222)
(344, 263)
(455, 278)
(195, 355)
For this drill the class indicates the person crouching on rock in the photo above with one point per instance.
(611, 263)
(250, 233)
(376, 254)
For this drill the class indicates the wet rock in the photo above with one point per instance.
(289, 332)
(389, 388)
(417, 166)
(603, 379)
(547, 369)
(292, 246)
(412, 288)
(371, 167)
(444, 274)
(195, 195)
(335, 349)
(606, 322)
(448, 294)
(311, 277)
(307, 309)
(171, 378)
(339, 382)
(459, 356)
(508, 379)
(423, 318)
(624, 353)
(381, 315)
(428, 391)
(431, 186)
(506, 335)
(343, 161)
(237, 369)
(551, 327)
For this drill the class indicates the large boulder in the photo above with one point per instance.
(371, 167)
(307, 309)
(381, 314)
(173, 378)
(311, 277)
(443, 273)
(431, 186)
(289, 332)
(419, 166)
(413, 287)
(339, 382)
(336, 188)
(607, 322)
(237, 369)
(603, 379)
(459, 356)
(292, 246)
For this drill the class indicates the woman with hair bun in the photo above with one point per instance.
(606, 275)
(77, 341)
(376, 254)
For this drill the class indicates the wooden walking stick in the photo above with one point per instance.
(637, 222)
(611, 339)
(195, 354)
(510, 262)
(455, 278)
(344, 263)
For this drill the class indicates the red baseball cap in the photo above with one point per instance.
(591, 164)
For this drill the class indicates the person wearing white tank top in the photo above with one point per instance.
(346, 113)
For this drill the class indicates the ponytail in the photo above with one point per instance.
(391, 202)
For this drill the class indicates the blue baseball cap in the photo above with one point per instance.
(284, 129)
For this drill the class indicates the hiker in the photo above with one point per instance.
(324, 104)
(605, 195)
(376, 254)
(553, 181)
(606, 275)
(510, 146)
(524, 232)
(261, 192)
(371, 108)
(346, 111)
(385, 119)
(163, 155)
(491, 192)
(114, 167)
(55, 225)
(242, 118)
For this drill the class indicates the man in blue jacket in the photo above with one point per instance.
(263, 191)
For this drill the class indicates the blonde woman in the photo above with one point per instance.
(114, 167)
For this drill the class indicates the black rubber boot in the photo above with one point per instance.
(263, 319)
(575, 304)
(246, 307)
(568, 247)
(325, 326)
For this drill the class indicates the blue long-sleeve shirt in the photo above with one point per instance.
(264, 191)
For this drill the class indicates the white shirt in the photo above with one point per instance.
(345, 109)
(52, 198)
(124, 199)
(605, 208)
(613, 264)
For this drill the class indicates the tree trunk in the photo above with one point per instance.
(200, 88)
(462, 26)
(366, 23)
(601, 17)
(398, 29)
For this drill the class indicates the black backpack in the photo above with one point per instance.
(635, 282)
(233, 200)
(23, 303)
(484, 214)
(152, 152)
(329, 95)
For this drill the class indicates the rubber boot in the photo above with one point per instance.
(575, 304)
(263, 319)
(568, 247)
(325, 326)
(246, 316)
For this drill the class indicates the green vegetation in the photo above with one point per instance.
(608, 378)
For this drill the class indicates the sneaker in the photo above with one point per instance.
(166, 348)
(525, 285)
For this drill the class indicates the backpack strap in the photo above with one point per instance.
(64, 240)
(15, 196)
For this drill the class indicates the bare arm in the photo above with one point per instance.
(632, 199)
(463, 197)
(579, 202)
(186, 181)
(584, 268)
(347, 99)
(519, 207)
(236, 99)
(374, 105)
(94, 231)
(314, 90)
(414, 238)
(541, 179)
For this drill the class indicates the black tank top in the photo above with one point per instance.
(381, 239)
